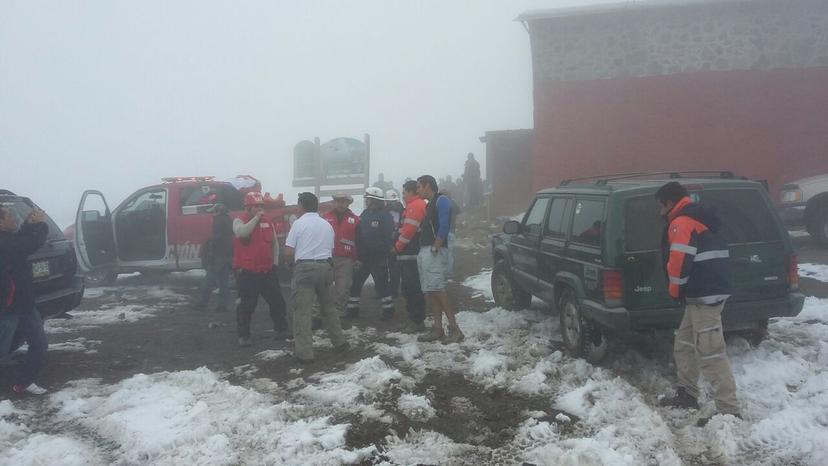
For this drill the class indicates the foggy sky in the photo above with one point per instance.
(115, 95)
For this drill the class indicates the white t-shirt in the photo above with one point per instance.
(311, 237)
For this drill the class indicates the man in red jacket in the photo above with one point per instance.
(344, 222)
(255, 259)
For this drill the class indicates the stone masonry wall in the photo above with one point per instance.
(653, 41)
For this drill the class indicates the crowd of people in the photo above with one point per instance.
(405, 246)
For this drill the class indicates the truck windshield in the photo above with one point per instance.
(745, 217)
(21, 209)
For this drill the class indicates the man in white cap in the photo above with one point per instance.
(344, 222)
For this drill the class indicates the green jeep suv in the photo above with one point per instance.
(593, 251)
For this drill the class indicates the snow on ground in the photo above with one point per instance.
(609, 414)
(481, 284)
(78, 344)
(814, 271)
(114, 312)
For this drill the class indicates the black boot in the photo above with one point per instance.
(683, 399)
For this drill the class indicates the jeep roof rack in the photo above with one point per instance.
(602, 180)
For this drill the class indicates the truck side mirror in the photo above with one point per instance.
(512, 227)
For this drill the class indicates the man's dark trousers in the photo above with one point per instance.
(17, 328)
(250, 286)
(411, 290)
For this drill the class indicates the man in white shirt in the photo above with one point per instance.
(310, 243)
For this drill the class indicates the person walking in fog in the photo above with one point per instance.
(310, 244)
(20, 321)
(433, 260)
(373, 244)
(452, 237)
(406, 249)
(217, 259)
(473, 182)
(698, 271)
(344, 223)
(255, 260)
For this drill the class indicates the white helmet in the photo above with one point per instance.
(392, 195)
(374, 193)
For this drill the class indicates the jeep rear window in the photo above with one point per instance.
(21, 211)
(744, 214)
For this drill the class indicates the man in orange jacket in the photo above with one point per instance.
(406, 248)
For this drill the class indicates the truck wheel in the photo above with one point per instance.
(581, 337)
(818, 224)
(507, 294)
(100, 277)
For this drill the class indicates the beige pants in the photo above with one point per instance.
(700, 347)
(313, 281)
(343, 277)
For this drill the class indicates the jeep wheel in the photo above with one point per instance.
(581, 337)
(100, 277)
(507, 294)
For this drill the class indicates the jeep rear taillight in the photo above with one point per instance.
(793, 272)
(613, 287)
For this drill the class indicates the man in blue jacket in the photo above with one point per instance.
(374, 239)
(19, 320)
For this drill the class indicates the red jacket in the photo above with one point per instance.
(413, 216)
(255, 253)
(344, 233)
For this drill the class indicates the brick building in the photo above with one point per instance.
(730, 84)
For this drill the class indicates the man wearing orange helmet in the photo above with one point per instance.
(255, 259)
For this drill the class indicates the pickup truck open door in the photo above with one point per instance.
(94, 238)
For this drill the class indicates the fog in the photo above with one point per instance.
(116, 95)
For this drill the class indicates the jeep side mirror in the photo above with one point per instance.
(512, 227)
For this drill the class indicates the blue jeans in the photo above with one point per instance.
(217, 277)
(27, 327)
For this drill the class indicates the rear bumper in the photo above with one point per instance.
(736, 316)
(63, 300)
(792, 214)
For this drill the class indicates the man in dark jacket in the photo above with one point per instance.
(374, 236)
(19, 320)
(218, 260)
(697, 262)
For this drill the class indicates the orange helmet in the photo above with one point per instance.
(253, 199)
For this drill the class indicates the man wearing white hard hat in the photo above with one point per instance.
(374, 235)
(395, 208)
(344, 222)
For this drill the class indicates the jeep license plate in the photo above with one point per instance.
(40, 269)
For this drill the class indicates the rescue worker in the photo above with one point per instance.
(395, 208)
(373, 245)
(217, 259)
(310, 243)
(433, 260)
(406, 249)
(344, 222)
(20, 321)
(255, 260)
(697, 262)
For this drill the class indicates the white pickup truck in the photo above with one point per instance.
(805, 203)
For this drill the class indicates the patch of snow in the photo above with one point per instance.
(78, 344)
(416, 407)
(361, 381)
(271, 355)
(814, 271)
(19, 445)
(426, 447)
(481, 284)
(192, 417)
(82, 319)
